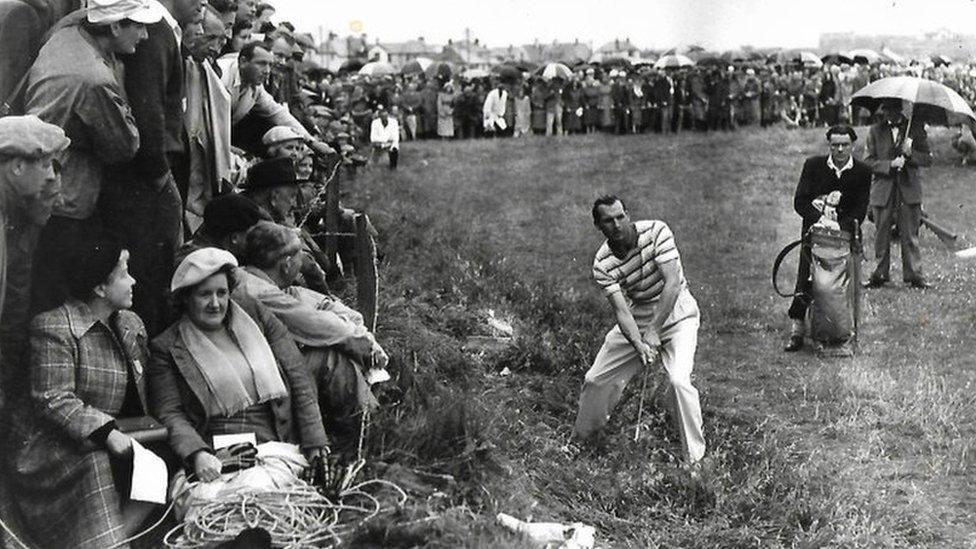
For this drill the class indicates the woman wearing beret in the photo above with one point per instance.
(71, 467)
(229, 368)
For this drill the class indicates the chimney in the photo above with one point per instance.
(576, 41)
(421, 40)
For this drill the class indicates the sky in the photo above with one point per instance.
(714, 24)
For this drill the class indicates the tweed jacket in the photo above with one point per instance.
(80, 370)
(176, 388)
(880, 149)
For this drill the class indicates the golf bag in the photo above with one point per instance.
(835, 274)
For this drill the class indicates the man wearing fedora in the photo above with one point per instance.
(895, 152)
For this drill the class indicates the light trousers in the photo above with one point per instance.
(617, 362)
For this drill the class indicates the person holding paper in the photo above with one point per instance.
(229, 368)
(72, 467)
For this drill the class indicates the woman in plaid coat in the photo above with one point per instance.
(71, 465)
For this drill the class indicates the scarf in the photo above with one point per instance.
(226, 391)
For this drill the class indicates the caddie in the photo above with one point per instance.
(639, 270)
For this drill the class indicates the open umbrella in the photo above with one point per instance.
(616, 63)
(932, 102)
(837, 59)
(864, 56)
(377, 68)
(351, 65)
(440, 69)
(808, 60)
(471, 74)
(556, 70)
(711, 61)
(941, 60)
(507, 73)
(673, 62)
(888, 55)
(416, 66)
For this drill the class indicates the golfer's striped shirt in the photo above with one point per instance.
(638, 275)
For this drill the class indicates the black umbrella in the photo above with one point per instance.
(441, 70)
(351, 65)
(616, 63)
(507, 73)
(837, 59)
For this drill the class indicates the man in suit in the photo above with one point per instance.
(822, 175)
(895, 151)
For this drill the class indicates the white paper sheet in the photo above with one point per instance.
(149, 476)
(223, 441)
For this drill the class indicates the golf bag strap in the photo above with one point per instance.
(779, 261)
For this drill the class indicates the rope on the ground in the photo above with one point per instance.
(296, 518)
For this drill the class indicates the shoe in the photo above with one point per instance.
(919, 283)
(875, 282)
(795, 344)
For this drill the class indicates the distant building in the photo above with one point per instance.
(945, 42)
(617, 48)
(336, 50)
(468, 52)
(558, 52)
(508, 53)
(399, 54)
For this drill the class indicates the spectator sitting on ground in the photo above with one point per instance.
(273, 185)
(333, 338)
(226, 220)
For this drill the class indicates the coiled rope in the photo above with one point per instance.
(298, 517)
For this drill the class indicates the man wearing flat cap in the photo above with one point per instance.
(74, 84)
(29, 186)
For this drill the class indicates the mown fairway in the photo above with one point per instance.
(875, 451)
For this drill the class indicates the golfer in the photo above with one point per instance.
(640, 272)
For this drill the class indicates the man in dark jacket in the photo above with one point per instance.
(895, 151)
(822, 175)
(140, 202)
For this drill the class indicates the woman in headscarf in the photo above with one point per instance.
(445, 111)
(230, 369)
(71, 465)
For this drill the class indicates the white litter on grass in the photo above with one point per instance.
(505, 372)
(968, 253)
(500, 326)
(552, 535)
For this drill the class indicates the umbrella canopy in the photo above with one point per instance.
(712, 61)
(941, 60)
(556, 70)
(616, 63)
(377, 68)
(888, 55)
(417, 65)
(933, 102)
(673, 62)
(507, 73)
(837, 59)
(864, 56)
(471, 74)
(808, 59)
(440, 69)
(352, 65)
